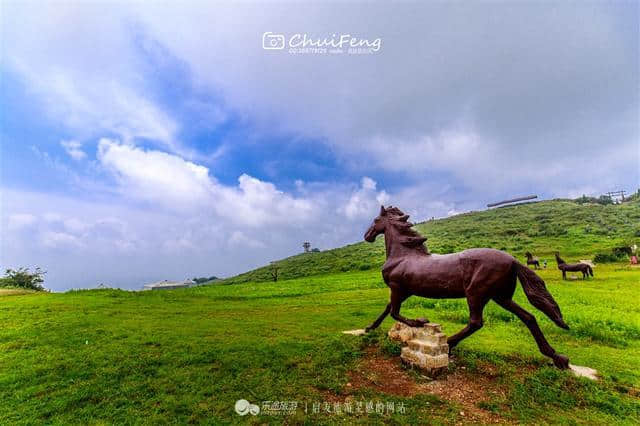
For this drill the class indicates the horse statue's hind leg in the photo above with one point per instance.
(475, 322)
(381, 318)
(529, 320)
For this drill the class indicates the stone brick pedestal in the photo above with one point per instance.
(425, 347)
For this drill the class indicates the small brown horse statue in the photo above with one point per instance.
(532, 260)
(573, 267)
(480, 275)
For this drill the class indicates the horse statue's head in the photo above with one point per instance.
(393, 217)
(378, 226)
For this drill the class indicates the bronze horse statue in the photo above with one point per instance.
(532, 260)
(480, 275)
(573, 267)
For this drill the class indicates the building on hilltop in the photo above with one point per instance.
(169, 285)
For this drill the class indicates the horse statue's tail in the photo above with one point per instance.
(537, 293)
(590, 270)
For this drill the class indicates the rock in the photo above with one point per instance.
(358, 332)
(587, 372)
(401, 333)
(424, 347)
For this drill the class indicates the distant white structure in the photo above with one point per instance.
(169, 285)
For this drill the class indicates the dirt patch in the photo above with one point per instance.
(460, 386)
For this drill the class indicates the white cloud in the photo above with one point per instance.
(75, 225)
(74, 150)
(170, 181)
(485, 98)
(449, 150)
(238, 238)
(60, 240)
(531, 87)
(122, 243)
(364, 201)
(368, 183)
(257, 203)
(52, 217)
(21, 220)
(156, 176)
(579, 192)
(88, 73)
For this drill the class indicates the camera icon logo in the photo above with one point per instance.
(271, 41)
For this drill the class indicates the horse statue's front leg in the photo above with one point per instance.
(396, 301)
(395, 314)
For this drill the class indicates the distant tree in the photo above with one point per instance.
(634, 196)
(275, 269)
(605, 199)
(584, 199)
(315, 250)
(306, 246)
(23, 278)
(204, 279)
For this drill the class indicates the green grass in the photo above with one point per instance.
(110, 356)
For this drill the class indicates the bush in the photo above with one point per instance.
(205, 279)
(23, 278)
(605, 200)
(584, 199)
(607, 258)
(622, 251)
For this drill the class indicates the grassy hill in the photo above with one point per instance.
(576, 230)
(186, 356)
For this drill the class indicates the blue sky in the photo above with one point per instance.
(162, 142)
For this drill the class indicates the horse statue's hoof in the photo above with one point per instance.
(561, 361)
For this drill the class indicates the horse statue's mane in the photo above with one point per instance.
(409, 236)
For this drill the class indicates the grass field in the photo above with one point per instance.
(110, 356)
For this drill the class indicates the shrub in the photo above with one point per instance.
(604, 200)
(607, 258)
